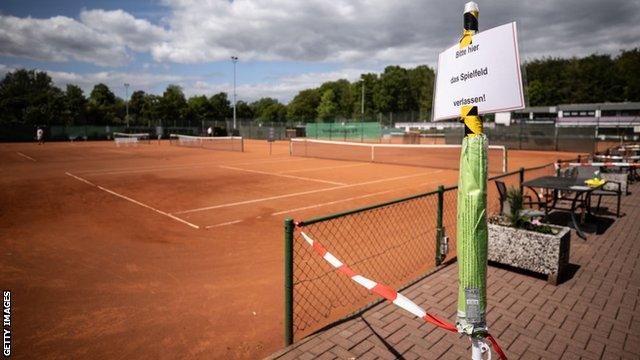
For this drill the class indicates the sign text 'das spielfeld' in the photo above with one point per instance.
(485, 73)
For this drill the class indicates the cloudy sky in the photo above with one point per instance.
(283, 45)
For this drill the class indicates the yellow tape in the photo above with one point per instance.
(472, 122)
(466, 38)
(468, 33)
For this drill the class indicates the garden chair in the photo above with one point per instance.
(532, 213)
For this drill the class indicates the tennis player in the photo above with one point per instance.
(40, 136)
(209, 131)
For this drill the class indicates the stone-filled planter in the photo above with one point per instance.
(620, 178)
(529, 250)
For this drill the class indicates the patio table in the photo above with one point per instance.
(566, 185)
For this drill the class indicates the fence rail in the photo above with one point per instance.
(395, 243)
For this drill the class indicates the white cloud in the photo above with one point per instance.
(375, 32)
(100, 37)
(361, 33)
(282, 88)
(116, 79)
(137, 34)
(58, 39)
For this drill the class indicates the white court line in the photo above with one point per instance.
(270, 160)
(81, 179)
(282, 175)
(134, 201)
(332, 202)
(25, 156)
(224, 224)
(300, 193)
(349, 199)
(323, 168)
(172, 167)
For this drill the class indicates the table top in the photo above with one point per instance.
(560, 183)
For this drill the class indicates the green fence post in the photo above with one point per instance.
(288, 281)
(558, 164)
(521, 171)
(439, 228)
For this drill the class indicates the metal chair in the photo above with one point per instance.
(502, 193)
(590, 172)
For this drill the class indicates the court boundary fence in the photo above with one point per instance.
(397, 242)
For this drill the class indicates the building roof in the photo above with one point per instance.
(601, 106)
(537, 109)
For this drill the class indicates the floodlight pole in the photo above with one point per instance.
(362, 107)
(126, 103)
(234, 59)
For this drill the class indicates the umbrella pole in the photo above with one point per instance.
(472, 232)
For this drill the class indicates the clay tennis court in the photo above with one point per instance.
(159, 251)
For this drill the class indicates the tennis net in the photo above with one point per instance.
(228, 143)
(130, 139)
(432, 156)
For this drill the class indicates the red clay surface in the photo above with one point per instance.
(102, 254)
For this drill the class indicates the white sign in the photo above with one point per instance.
(485, 73)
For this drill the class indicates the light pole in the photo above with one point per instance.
(126, 104)
(234, 59)
(362, 107)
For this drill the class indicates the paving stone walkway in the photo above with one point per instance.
(595, 314)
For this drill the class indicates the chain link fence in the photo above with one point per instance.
(395, 243)
(546, 137)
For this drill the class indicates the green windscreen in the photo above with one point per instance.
(354, 131)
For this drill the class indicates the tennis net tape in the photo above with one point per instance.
(126, 139)
(228, 143)
(432, 156)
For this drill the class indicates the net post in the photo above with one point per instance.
(439, 228)
(288, 281)
(558, 164)
(505, 164)
(521, 178)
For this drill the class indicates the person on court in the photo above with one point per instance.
(40, 136)
(209, 131)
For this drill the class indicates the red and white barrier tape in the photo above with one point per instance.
(617, 157)
(621, 164)
(389, 293)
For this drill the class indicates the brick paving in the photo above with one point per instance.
(593, 315)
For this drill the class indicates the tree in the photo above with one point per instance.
(260, 106)
(136, 103)
(269, 110)
(421, 80)
(304, 106)
(392, 93)
(275, 112)
(535, 93)
(628, 69)
(199, 109)
(75, 105)
(342, 97)
(221, 106)
(101, 108)
(173, 105)
(327, 109)
(101, 95)
(244, 111)
(29, 97)
(369, 81)
(151, 111)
